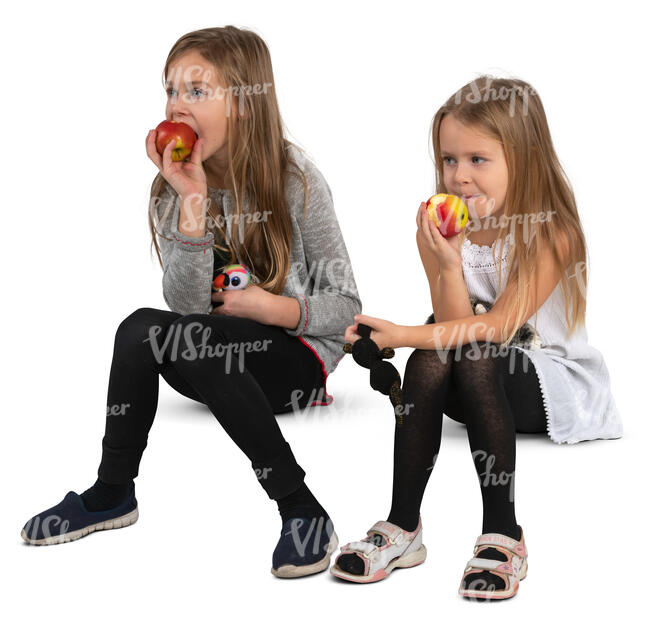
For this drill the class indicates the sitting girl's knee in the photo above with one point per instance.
(428, 364)
(428, 357)
(475, 359)
(135, 327)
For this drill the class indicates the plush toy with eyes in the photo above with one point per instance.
(233, 277)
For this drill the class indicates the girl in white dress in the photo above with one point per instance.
(508, 348)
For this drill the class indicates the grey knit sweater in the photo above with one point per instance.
(320, 275)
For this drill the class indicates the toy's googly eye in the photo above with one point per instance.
(237, 281)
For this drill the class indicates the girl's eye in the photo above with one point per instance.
(444, 159)
(171, 90)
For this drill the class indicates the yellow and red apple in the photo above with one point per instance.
(448, 212)
(175, 130)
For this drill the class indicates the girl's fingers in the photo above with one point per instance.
(426, 230)
(419, 213)
(435, 233)
(167, 153)
(351, 333)
(371, 321)
(151, 149)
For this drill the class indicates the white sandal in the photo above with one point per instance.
(512, 570)
(402, 550)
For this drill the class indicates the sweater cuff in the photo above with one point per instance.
(186, 242)
(304, 318)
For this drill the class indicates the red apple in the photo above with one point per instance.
(448, 212)
(181, 132)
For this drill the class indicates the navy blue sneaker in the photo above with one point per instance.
(304, 547)
(70, 520)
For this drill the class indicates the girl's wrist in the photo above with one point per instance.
(451, 272)
(282, 311)
(402, 336)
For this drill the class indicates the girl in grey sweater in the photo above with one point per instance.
(246, 195)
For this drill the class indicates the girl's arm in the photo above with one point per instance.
(187, 261)
(449, 297)
(454, 299)
(493, 325)
(328, 299)
(284, 312)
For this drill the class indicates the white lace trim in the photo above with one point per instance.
(481, 256)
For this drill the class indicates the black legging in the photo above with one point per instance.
(495, 396)
(244, 371)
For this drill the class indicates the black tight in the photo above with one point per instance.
(495, 392)
(244, 371)
(495, 396)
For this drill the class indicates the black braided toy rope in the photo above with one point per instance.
(384, 377)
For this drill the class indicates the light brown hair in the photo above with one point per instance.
(257, 153)
(511, 112)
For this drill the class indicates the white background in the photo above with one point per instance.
(358, 85)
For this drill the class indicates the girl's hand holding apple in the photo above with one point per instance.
(187, 178)
(447, 250)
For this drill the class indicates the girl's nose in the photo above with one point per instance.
(462, 174)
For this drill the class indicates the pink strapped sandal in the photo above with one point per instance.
(402, 549)
(512, 571)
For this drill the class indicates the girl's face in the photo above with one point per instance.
(195, 97)
(474, 167)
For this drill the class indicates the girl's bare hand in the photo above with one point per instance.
(446, 250)
(384, 333)
(187, 178)
(252, 302)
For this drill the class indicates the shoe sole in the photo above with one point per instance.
(288, 571)
(403, 561)
(110, 524)
(496, 594)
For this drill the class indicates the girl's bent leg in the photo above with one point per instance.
(245, 371)
(498, 392)
(141, 343)
(479, 377)
(522, 389)
(417, 441)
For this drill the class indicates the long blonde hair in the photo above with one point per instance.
(257, 153)
(511, 112)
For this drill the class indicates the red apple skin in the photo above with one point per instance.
(174, 130)
(450, 216)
